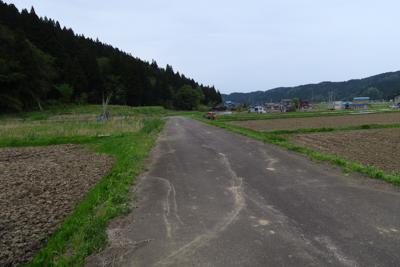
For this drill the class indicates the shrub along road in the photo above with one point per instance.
(216, 198)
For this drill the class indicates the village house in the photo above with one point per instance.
(219, 108)
(269, 105)
(257, 109)
(396, 99)
(358, 103)
(285, 105)
(305, 104)
(230, 105)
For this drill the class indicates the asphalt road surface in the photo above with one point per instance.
(212, 197)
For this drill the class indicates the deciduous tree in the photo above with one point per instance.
(187, 98)
(66, 92)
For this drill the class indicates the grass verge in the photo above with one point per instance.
(83, 232)
(273, 138)
(331, 129)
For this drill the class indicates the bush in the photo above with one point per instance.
(203, 109)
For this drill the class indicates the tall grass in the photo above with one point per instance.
(23, 129)
(96, 110)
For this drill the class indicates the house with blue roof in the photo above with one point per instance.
(257, 109)
(230, 104)
(358, 103)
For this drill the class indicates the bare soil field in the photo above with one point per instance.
(316, 122)
(376, 147)
(39, 187)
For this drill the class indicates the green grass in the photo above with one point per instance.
(274, 138)
(337, 128)
(346, 170)
(185, 113)
(83, 232)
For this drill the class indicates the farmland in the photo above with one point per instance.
(317, 122)
(63, 175)
(369, 147)
(375, 147)
(42, 149)
(39, 187)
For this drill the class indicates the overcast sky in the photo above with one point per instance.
(243, 46)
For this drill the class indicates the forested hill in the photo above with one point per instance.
(37, 56)
(382, 86)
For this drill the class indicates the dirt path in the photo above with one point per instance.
(39, 187)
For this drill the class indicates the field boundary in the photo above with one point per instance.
(338, 128)
(293, 115)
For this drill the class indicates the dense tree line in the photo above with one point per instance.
(381, 86)
(37, 56)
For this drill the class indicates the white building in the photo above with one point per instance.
(257, 109)
(338, 105)
(396, 99)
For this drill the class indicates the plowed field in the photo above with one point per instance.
(39, 187)
(377, 147)
(316, 122)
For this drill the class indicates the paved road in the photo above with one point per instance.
(216, 198)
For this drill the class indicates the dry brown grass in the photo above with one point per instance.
(21, 129)
(74, 117)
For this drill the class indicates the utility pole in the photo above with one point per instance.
(334, 91)
(312, 97)
(330, 98)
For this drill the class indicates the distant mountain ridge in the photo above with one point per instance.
(381, 86)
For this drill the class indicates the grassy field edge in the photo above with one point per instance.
(83, 232)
